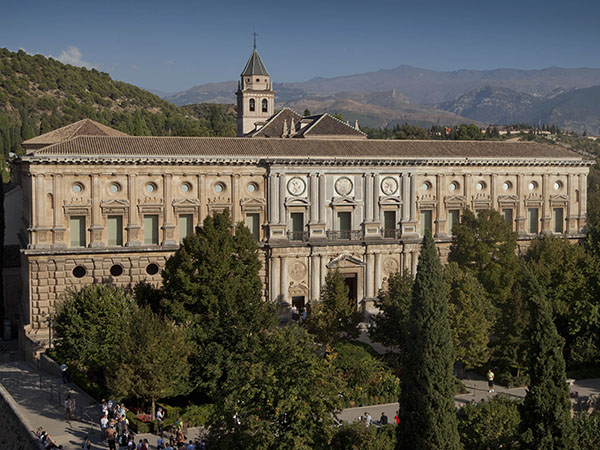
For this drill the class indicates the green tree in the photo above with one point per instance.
(281, 396)
(546, 411)
(389, 325)
(490, 423)
(152, 362)
(306, 112)
(335, 315)
(427, 413)
(471, 316)
(356, 436)
(212, 284)
(90, 326)
(486, 244)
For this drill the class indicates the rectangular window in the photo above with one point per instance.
(453, 219)
(344, 224)
(557, 220)
(532, 220)
(426, 221)
(115, 230)
(508, 216)
(186, 226)
(389, 224)
(151, 229)
(253, 224)
(77, 231)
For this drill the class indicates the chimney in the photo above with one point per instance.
(356, 125)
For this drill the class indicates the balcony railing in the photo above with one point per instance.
(345, 235)
(391, 233)
(298, 235)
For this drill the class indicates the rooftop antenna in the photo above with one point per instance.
(255, 34)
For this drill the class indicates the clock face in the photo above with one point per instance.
(389, 186)
(343, 186)
(296, 186)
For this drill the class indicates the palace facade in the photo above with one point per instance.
(101, 206)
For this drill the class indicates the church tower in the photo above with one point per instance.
(255, 95)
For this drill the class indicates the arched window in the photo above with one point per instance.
(252, 105)
(265, 108)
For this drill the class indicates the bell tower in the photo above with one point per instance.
(255, 95)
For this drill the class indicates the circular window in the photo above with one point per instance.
(116, 270)
(426, 186)
(79, 272)
(77, 188)
(557, 185)
(219, 187)
(507, 185)
(480, 186)
(150, 188)
(453, 186)
(532, 186)
(186, 187)
(152, 269)
(114, 187)
(252, 187)
(257, 80)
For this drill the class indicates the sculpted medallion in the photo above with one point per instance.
(389, 185)
(296, 186)
(343, 186)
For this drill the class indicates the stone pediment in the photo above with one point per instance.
(508, 198)
(345, 260)
(186, 202)
(296, 201)
(343, 201)
(559, 198)
(114, 203)
(459, 200)
(253, 202)
(390, 200)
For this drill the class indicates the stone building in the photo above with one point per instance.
(100, 206)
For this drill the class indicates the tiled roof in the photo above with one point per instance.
(255, 66)
(121, 148)
(320, 125)
(85, 127)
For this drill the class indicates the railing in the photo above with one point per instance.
(391, 233)
(298, 235)
(345, 235)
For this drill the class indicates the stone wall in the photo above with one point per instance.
(15, 432)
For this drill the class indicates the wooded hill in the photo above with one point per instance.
(39, 94)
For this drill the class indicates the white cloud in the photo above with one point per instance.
(72, 55)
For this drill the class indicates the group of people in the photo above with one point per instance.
(115, 425)
(383, 420)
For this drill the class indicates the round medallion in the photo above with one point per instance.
(343, 186)
(389, 186)
(296, 186)
(390, 266)
(298, 270)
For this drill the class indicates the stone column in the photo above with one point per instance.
(168, 222)
(202, 210)
(282, 195)
(493, 189)
(376, 217)
(378, 276)
(314, 198)
(275, 278)
(59, 218)
(406, 198)
(546, 211)
(133, 226)
(315, 277)
(322, 201)
(582, 207)
(370, 275)
(415, 261)
(405, 260)
(324, 260)
(413, 197)
(368, 177)
(284, 287)
(440, 216)
(273, 197)
(235, 198)
(96, 216)
(521, 207)
(468, 182)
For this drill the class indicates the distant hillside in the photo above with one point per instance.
(575, 110)
(39, 94)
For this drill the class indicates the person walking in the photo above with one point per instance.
(384, 419)
(490, 377)
(86, 444)
(69, 408)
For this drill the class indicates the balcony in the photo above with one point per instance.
(345, 235)
(301, 236)
(391, 233)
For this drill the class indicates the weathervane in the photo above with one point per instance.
(255, 34)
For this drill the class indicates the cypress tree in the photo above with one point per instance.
(427, 413)
(545, 415)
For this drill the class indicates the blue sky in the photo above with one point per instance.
(174, 45)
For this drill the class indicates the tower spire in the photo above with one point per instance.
(255, 34)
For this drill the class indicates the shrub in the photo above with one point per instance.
(357, 436)
(587, 429)
(138, 425)
(489, 424)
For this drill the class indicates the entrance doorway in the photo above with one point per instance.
(351, 282)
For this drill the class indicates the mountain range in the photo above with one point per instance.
(560, 96)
